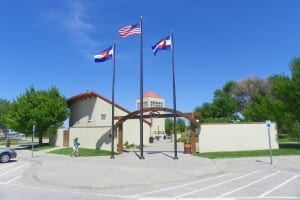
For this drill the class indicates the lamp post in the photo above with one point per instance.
(151, 120)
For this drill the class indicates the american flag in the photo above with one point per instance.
(130, 30)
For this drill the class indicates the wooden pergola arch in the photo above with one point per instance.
(154, 112)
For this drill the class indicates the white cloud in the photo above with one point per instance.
(72, 19)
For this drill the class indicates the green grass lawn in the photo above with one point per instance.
(82, 152)
(284, 149)
(67, 151)
(64, 151)
(27, 144)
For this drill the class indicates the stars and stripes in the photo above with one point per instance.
(129, 30)
(104, 55)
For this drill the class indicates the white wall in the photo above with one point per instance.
(98, 137)
(88, 113)
(158, 124)
(131, 132)
(58, 139)
(86, 124)
(92, 137)
(236, 137)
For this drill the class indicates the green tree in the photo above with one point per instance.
(243, 91)
(229, 87)
(47, 110)
(294, 96)
(223, 108)
(169, 125)
(262, 108)
(293, 100)
(276, 98)
(287, 90)
(206, 111)
(295, 130)
(4, 109)
(180, 125)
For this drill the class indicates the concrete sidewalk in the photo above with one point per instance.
(127, 170)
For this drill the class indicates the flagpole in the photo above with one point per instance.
(141, 92)
(174, 96)
(113, 104)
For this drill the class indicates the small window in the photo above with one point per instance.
(152, 104)
(145, 104)
(103, 117)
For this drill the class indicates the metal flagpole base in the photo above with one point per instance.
(175, 158)
(112, 157)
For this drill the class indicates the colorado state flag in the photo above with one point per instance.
(104, 55)
(163, 44)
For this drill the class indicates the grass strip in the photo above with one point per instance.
(284, 150)
(40, 147)
(82, 152)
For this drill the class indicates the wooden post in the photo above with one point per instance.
(120, 139)
(66, 138)
(193, 138)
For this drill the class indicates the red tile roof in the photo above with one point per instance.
(151, 94)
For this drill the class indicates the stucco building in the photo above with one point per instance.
(90, 121)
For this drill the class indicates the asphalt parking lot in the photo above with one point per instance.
(158, 176)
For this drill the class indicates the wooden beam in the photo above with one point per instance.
(148, 116)
(120, 139)
(193, 138)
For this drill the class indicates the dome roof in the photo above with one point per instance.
(151, 94)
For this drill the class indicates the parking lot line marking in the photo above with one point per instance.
(64, 191)
(178, 186)
(221, 183)
(7, 166)
(278, 186)
(249, 184)
(103, 195)
(156, 198)
(14, 179)
(273, 197)
(14, 169)
(168, 198)
(287, 172)
(208, 198)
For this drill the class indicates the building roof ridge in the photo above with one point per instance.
(88, 94)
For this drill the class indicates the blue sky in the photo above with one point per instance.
(52, 42)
